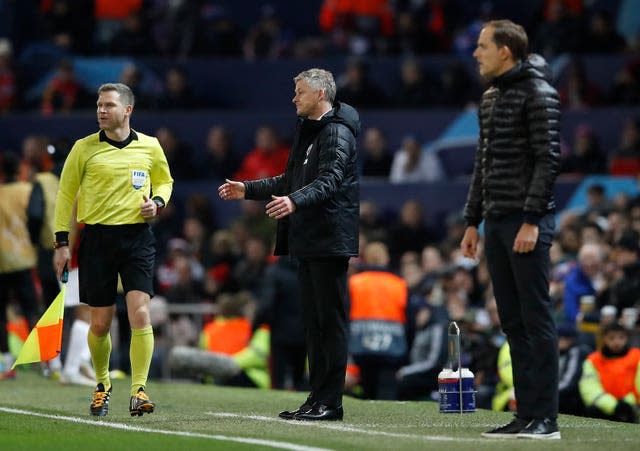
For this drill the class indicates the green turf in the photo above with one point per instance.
(198, 417)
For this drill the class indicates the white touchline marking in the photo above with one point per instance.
(128, 427)
(339, 427)
(444, 438)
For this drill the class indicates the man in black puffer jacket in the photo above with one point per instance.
(316, 203)
(511, 188)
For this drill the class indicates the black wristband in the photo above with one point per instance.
(62, 237)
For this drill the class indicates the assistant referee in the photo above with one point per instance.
(113, 174)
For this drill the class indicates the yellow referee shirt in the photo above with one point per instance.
(111, 181)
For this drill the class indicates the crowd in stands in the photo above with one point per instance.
(225, 278)
(59, 30)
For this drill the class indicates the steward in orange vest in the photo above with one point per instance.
(610, 382)
(378, 342)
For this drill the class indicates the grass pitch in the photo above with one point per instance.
(40, 414)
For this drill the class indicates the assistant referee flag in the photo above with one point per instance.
(45, 340)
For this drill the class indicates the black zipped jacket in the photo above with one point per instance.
(517, 159)
(321, 179)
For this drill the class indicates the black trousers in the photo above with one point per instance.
(521, 288)
(323, 285)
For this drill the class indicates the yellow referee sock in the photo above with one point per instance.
(140, 353)
(100, 348)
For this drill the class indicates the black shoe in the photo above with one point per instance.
(100, 403)
(545, 428)
(289, 414)
(510, 430)
(320, 412)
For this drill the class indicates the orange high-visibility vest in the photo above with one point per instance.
(378, 295)
(378, 315)
(226, 335)
(617, 375)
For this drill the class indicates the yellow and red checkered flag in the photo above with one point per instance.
(45, 340)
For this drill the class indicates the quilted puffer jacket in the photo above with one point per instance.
(517, 159)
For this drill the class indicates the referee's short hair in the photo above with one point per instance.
(126, 94)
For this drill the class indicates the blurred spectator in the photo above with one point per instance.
(230, 331)
(587, 157)
(246, 368)
(438, 19)
(376, 161)
(142, 90)
(35, 156)
(178, 154)
(250, 269)
(560, 32)
(409, 232)
(70, 24)
(217, 33)
(267, 38)
(572, 356)
(177, 93)
(220, 261)
(412, 164)
(196, 233)
(611, 378)
(280, 307)
(624, 291)
(8, 82)
(577, 91)
(252, 222)
(64, 92)
(598, 205)
(456, 87)
(427, 356)
(432, 264)
(415, 90)
(17, 256)
(602, 36)
(267, 159)
(174, 25)
(357, 27)
(169, 272)
(379, 302)
(626, 84)
(410, 38)
(133, 38)
(584, 279)
(629, 139)
(220, 160)
(109, 19)
(356, 87)
(372, 225)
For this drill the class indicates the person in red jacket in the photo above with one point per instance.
(267, 159)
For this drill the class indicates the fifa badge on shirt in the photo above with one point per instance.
(138, 178)
(306, 157)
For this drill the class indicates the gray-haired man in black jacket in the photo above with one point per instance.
(316, 203)
(511, 188)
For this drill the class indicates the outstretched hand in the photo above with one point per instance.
(231, 190)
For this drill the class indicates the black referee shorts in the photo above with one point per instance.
(108, 251)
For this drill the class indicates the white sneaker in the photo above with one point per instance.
(76, 379)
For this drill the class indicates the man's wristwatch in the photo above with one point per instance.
(159, 204)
